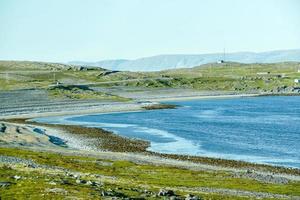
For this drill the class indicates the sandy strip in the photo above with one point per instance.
(200, 97)
(107, 108)
(121, 107)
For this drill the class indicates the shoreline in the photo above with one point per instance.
(203, 97)
(115, 108)
(114, 143)
(121, 107)
(116, 156)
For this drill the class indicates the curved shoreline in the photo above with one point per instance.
(111, 142)
(116, 143)
(109, 107)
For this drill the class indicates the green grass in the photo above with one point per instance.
(226, 77)
(128, 174)
(81, 92)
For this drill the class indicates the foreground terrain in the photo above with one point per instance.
(43, 161)
(36, 164)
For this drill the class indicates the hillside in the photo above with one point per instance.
(163, 62)
(228, 76)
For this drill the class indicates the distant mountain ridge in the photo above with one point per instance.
(172, 61)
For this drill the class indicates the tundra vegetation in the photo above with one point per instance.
(228, 76)
(49, 175)
(37, 172)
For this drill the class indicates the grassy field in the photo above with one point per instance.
(227, 76)
(52, 178)
(80, 92)
(223, 77)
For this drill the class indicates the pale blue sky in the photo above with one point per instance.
(91, 30)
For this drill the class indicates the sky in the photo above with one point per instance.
(92, 30)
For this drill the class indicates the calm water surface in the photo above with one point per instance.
(256, 129)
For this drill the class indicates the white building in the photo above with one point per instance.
(297, 80)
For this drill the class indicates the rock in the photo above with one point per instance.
(107, 193)
(163, 192)
(103, 193)
(57, 190)
(5, 184)
(191, 197)
(31, 166)
(112, 193)
(97, 183)
(92, 183)
(16, 177)
(2, 128)
(66, 182)
(78, 181)
(174, 198)
(52, 183)
(74, 175)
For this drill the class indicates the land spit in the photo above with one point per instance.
(17, 131)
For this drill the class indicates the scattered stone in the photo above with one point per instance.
(89, 183)
(266, 178)
(103, 193)
(75, 175)
(57, 190)
(66, 182)
(112, 193)
(15, 160)
(191, 197)
(78, 181)
(52, 183)
(174, 198)
(31, 166)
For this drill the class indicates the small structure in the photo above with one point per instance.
(220, 61)
(297, 80)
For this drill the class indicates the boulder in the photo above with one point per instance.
(191, 197)
(16, 177)
(163, 192)
(5, 184)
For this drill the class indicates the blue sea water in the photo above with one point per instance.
(254, 129)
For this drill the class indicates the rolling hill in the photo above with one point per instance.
(163, 62)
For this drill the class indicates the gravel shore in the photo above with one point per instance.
(36, 103)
